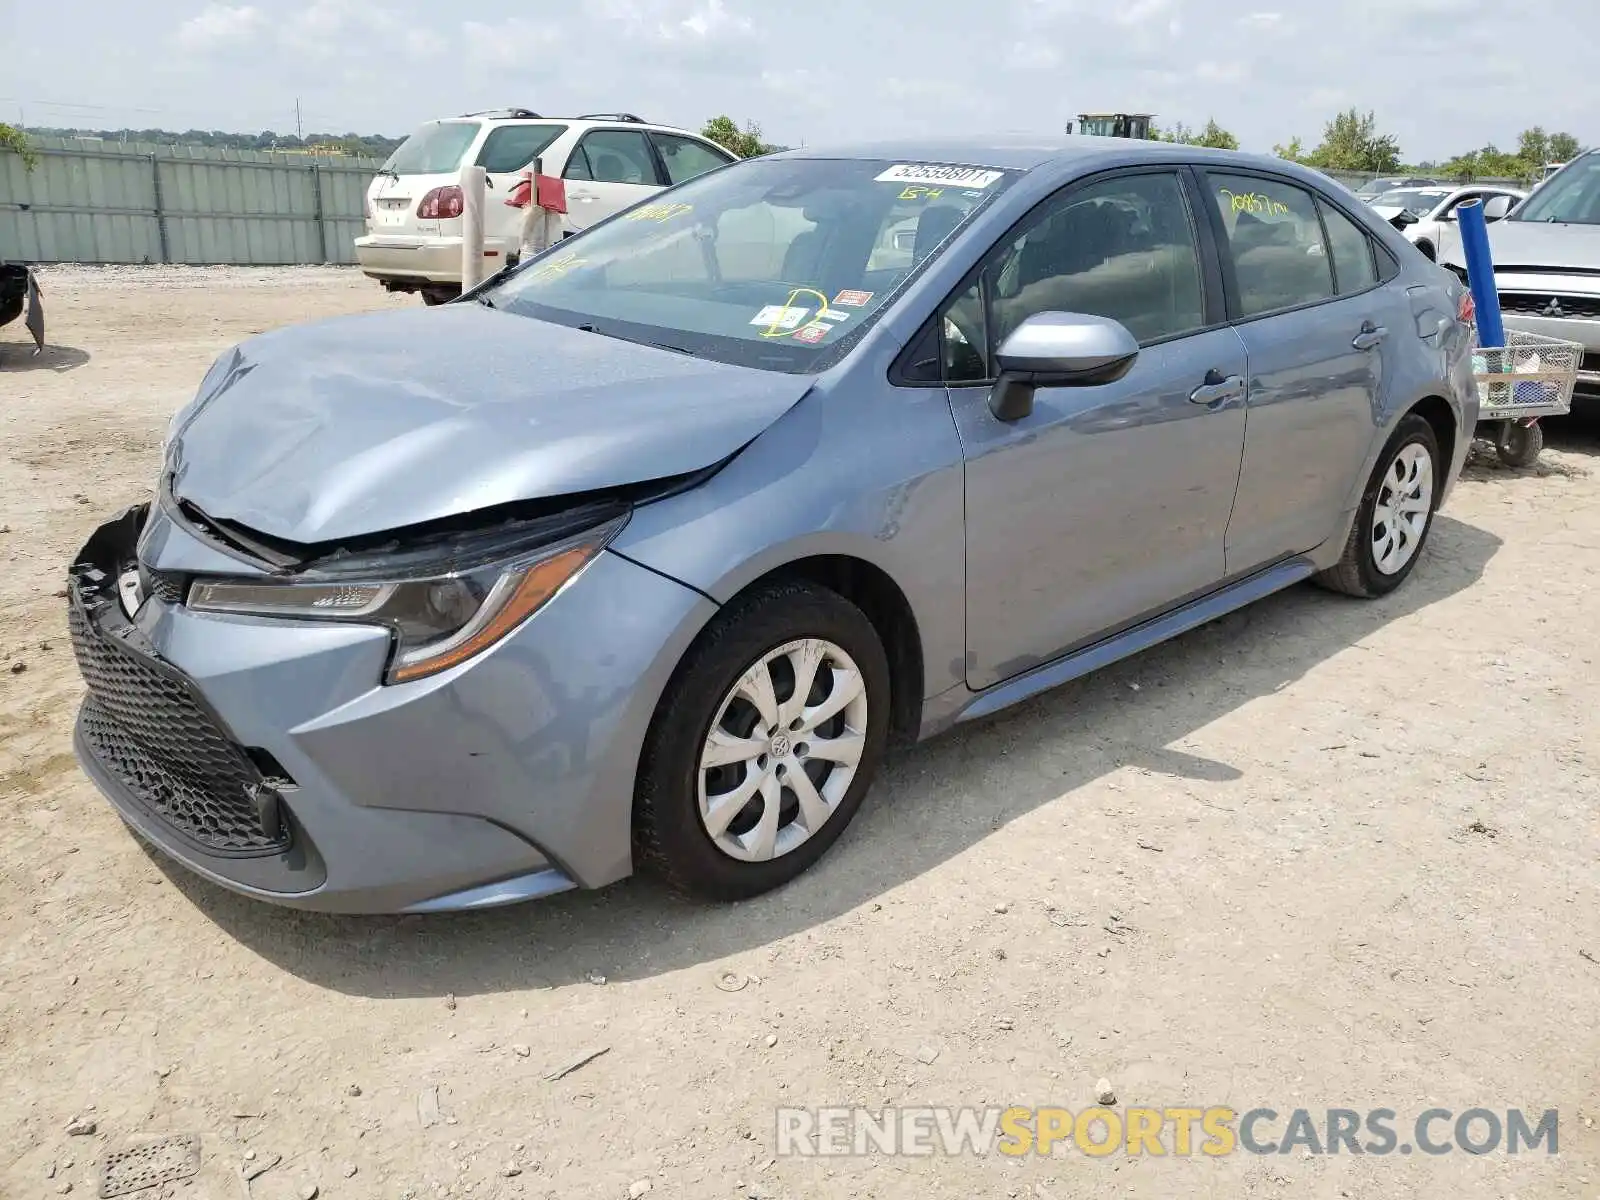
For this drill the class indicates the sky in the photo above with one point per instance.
(1444, 75)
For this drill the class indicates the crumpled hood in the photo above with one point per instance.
(1538, 246)
(359, 425)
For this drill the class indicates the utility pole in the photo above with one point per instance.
(297, 130)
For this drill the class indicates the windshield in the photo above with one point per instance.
(435, 149)
(1571, 196)
(771, 263)
(1416, 202)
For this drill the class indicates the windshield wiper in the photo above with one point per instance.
(485, 301)
(635, 341)
(392, 174)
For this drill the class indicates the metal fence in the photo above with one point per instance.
(106, 202)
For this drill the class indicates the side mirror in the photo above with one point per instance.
(1496, 207)
(1404, 218)
(1058, 349)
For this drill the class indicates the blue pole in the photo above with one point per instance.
(1480, 273)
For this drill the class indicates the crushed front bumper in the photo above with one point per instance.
(267, 756)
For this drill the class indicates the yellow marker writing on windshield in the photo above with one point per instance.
(776, 328)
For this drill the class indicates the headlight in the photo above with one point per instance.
(438, 620)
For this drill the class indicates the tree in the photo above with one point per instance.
(1351, 142)
(746, 142)
(1295, 151)
(16, 141)
(1213, 135)
(1563, 148)
(1533, 147)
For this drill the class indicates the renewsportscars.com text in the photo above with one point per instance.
(1179, 1131)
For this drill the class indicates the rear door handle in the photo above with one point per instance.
(1217, 388)
(1369, 336)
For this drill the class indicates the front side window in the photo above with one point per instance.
(770, 263)
(686, 158)
(613, 156)
(1275, 242)
(1122, 248)
(514, 147)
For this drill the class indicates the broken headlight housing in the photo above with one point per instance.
(440, 618)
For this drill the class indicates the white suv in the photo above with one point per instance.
(609, 161)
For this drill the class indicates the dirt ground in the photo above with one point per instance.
(1322, 853)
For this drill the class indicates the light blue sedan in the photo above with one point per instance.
(642, 553)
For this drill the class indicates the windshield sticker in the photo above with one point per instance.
(853, 299)
(937, 176)
(813, 333)
(832, 314)
(1252, 202)
(659, 212)
(559, 266)
(917, 191)
(780, 318)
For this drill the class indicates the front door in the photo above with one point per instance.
(609, 170)
(1106, 504)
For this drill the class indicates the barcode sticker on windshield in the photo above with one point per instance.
(778, 316)
(964, 177)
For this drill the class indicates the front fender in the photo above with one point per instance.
(865, 472)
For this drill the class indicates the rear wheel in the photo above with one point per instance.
(440, 295)
(764, 744)
(1394, 517)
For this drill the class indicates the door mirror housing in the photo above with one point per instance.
(1496, 207)
(1058, 349)
(1404, 218)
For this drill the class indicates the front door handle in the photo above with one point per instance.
(1217, 388)
(582, 196)
(1369, 336)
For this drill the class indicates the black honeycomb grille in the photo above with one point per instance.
(166, 586)
(149, 730)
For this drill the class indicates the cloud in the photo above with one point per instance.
(1142, 12)
(1033, 56)
(220, 25)
(1262, 20)
(709, 20)
(512, 42)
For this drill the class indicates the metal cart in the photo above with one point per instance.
(1530, 377)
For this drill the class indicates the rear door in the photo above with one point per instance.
(506, 153)
(609, 170)
(1317, 325)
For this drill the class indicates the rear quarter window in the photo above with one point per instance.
(514, 147)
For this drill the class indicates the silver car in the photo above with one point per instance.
(641, 554)
(1547, 265)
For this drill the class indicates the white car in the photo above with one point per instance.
(1423, 213)
(610, 161)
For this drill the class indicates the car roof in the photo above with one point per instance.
(1030, 153)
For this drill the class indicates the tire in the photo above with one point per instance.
(440, 295)
(1428, 251)
(1360, 572)
(1519, 445)
(672, 838)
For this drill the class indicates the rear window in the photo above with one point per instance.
(435, 149)
(513, 147)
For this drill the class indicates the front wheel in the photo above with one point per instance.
(764, 744)
(1394, 517)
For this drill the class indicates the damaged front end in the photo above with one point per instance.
(19, 292)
